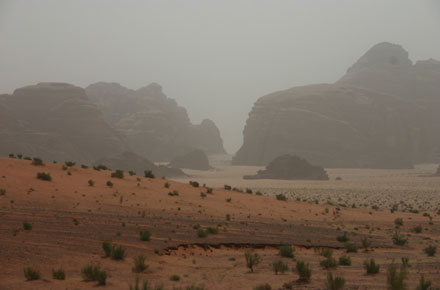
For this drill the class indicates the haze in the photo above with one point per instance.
(216, 58)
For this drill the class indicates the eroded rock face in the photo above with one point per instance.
(130, 161)
(196, 160)
(382, 114)
(55, 121)
(290, 168)
(153, 124)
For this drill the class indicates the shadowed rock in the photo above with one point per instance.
(131, 161)
(289, 168)
(196, 160)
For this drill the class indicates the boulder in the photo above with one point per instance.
(129, 161)
(290, 168)
(154, 125)
(196, 160)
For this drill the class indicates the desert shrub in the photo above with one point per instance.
(398, 222)
(281, 197)
(107, 247)
(166, 185)
(118, 252)
(2, 191)
(83, 166)
(398, 239)
(91, 182)
(94, 273)
(329, 263)
(58, 274)
(100, 167)
(396, 277)
(69, 163)
(252, 260)
(209, 190)
(131, 173)
(139, 264)
(334, 282)
(194, 183)
(424, 285)
(371, 267)
(287, 251)
(144, 235)
(201, 233)
(418, 229)
(351, 248)
(212, 230)
(148, 174)
(326, 252)
(203, 195)
(44, 176)
(173, 193)
(405, 262)
(430, 250)
(343, 239)
(31, 274)
(303, 271)
(279, 267)
(228, 217)
(37, 161)
(366, 243)
(109, 183)
(344, 261)
(263, 287)
(118, 174)
(227, 187)
(27, 158)
(248, 190)
(174, 277)
(27, 226)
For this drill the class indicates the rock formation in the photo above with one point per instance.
(290, 167)
(196, 160)
(153, 124)
(382, 114)
(130, 161)
(55, 121)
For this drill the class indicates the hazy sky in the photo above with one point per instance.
(216, 58)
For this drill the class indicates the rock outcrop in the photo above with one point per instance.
(129, 161)
(153, 124)
(196, 160)
(382, 114)
(55, 121)
(290, 168)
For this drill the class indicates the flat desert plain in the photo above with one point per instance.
(199, 235)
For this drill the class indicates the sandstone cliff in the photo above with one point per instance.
(381, 114)
(153, 124)
(196, 160)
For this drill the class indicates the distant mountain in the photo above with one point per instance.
(153, 124)
(55, 121)
(383, 113)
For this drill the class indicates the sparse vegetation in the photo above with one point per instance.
(118, 252)
(175, 278)
(279, 267)
(287, 251)
(344, 260)
(303, 271)
(58, 274)
(398, 239)
(94, 273)
(343, 239)
(107, 247)
(44, 176)
(334, 282)
(252, 260)
(109, 183)
(366, 244)
(69, 163)
(351, 248)
(27, 226)
(118, 174)
(144, 235)
(194, 183)
(396, 278)
(139, 264)
(31, 274)
(37, 161)
(281, 197)
(371, 267)
(91, 182)
(424, 285)
(148, 174)
(263, 287)
(430, 250)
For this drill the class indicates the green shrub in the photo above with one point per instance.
(212, 231)
(327, 253)
(209, 190)
(405, 262)
(263, 287)
(252, 260)
(371, 267)
(343, 239)
(201, 233)
(69, 163)
(344, 261)
(100, 167)
(281, 197)
(107, 247)
(118, 252)
(366, 244)
(166, 185)
(84, 166)
(131, 173)
(351, 248)
(396, 278)
(424, 285)
(2, 191)
(94, 273)
(144, 235)
(58, 274)
(173, 193)
(44, 176)
(227, 187)
(279, 267)
(148, 174)
(334, 282)
(91, 182)
(329, 263)
(398, 222)
(139, 264)
(194, 183)
(175, 277)
(287, 251)
(118, 174)
(398, 239)
(418, 229)
(37, 161)
(27, 226)
(430, 250)
(303, 271)
(109, 183)
(31, 274)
